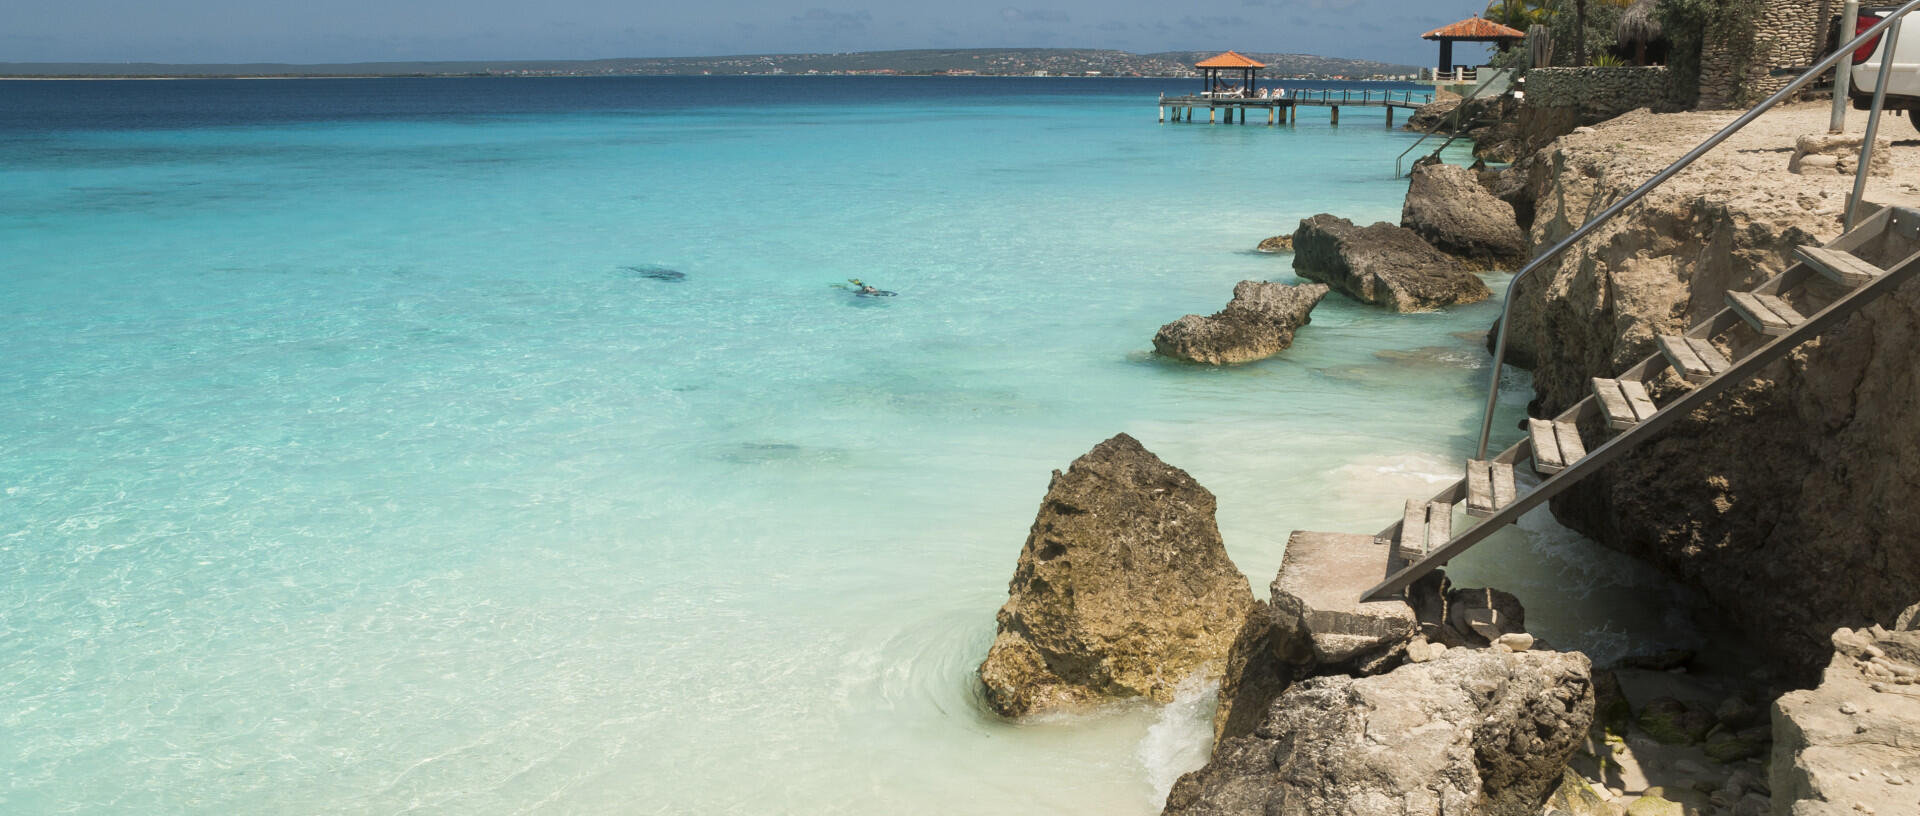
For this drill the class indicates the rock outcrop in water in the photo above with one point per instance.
(1447, 206)
(1276, 243)
(1258, 323)
(1791, 500)
(1852, 746)
(1472, 731)
(1123, 588)
(1382, 264)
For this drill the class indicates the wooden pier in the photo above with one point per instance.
(1286, 109)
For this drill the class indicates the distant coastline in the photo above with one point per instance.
(999, 62)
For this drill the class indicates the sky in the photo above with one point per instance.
(314, 31)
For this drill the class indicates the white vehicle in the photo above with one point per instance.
(1903, 83)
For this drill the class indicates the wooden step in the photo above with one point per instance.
(1424, 527)
(1489, 487)
(1625, 402)
(1842, 267)
(1696, 359)
(1556, 445)
(1767, 314)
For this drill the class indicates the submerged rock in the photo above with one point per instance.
(1123, 588)
(1447, 206)
(1382, 264)
(1259, 322)
(1469, 732)
(659, 273)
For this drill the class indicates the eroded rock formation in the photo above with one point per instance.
(1447, 206)
(1259, 322)
(1123, 587)
(1382, 264)
(1472, 731)
(1791, 500)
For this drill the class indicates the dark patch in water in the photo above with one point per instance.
(760, 453)
(659, 273)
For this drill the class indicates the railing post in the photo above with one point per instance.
(1887, 42)
(1843, 72)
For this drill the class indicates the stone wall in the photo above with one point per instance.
(1749, 39)
(1602, 92)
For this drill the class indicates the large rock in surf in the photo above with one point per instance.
(1472, 731)
(1852, 745)
(1259, 322)
(1122, 590)
(1382, 264)
(1447, 206)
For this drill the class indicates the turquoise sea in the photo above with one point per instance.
(358, 456)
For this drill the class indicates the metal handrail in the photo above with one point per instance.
(1457, 111)
(1845, 51)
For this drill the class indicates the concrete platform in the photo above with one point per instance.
(1315, 597)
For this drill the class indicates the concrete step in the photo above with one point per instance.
(1424, 527)
(1556, 445)
(1625, 402)
(1695, 359)
(1318, 594)
(1489, 487)
(1842, 267)
(1767, 314)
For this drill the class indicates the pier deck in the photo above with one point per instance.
(1285, 109)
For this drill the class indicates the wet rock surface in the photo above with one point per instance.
(1382, 264)
(1123, 588)
(1258, 323)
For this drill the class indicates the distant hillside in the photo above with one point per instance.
(983, 61)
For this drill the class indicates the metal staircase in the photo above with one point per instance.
(1825, 285)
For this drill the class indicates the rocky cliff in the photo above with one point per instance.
(1791, 501)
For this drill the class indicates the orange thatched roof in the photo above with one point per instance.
(1231, 59)
(1474, 28)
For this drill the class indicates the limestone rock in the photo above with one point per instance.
(1382, 264)
(1574, 797)
(1447, 206)
(1122, 589)
(1255, 674)
(1838, 154)
(1433, 114)
(1277, 243)
(1846, 743)
(1655, 806)
(1469, 732)
(1259, 322)
(1759, 495)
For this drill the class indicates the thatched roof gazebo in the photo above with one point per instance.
(1472, 29)
(1211, 69)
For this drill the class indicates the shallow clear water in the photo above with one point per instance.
(352, 462)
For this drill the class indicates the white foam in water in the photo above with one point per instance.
(1180, 739)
